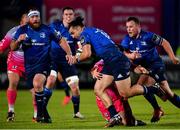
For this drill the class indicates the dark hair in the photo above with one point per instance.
(78, 21)
(67, 8)
(132, 18)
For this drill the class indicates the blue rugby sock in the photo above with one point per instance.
(152, 100)
(112, 111)
(175, 100)
(66, 88)
(76, 102)
(150, 89)
(47, 96)
(39, 100)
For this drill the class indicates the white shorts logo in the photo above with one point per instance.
(119, 76)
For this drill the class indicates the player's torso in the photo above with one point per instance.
(100, 41)
(37, 45)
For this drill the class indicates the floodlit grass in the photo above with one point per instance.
(62, 115)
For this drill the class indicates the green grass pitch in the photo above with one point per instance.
(62, 115)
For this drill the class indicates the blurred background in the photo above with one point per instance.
(159, 16)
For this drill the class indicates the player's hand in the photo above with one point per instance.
(22, 37)
(95, 74)
(71, 60)
(135, 55)
(175, 60)
(141, 70)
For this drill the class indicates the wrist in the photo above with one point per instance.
(77, 59)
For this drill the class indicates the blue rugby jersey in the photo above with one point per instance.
(101, 42)
(37, 45)
(145, 44)
(57, 52)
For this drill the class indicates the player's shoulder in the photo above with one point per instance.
(126, 38)
(146, 34)
(56, 23)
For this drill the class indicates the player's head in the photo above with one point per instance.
(34, 18)
(133, 26)
(24, 19)
(67, 15)
(76, 27)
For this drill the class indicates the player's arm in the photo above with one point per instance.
(125, 45)
(132, 55)
(167, 47)
(15, 43)
(65, 46)
(86, 53)
(4, 44)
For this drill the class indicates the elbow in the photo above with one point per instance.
(13, 48)
(88, 55)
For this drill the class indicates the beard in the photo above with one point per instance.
(35, 25)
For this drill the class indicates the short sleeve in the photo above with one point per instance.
(84, 39)
(156, 39)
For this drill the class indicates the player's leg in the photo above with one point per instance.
(34, 105)
(73, 82)
(38, 83)
(130, 119)
(104, 111)
(158, 73)
(158, 112)
(12, 94)
(63, 84)
(172, 97)
(99, 88)
(48, 89)
(69, 73)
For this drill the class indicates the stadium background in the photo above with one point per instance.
(159, 16)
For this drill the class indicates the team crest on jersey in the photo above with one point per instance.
(82, 40)
(131, 43)
(33, 40)
(42, 35)
(143, 43)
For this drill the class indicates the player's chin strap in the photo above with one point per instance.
(34, 13)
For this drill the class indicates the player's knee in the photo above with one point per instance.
(38, 85)
(125, 94)
(13, 85)
(73, 82)
(98, 91)
(51, 81)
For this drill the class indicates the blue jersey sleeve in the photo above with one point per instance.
(84, 39)
(55, 35)
(18, 33)
(125, 43)
(156, 39)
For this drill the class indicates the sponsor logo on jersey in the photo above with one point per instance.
(119, 76)
(82, 40)
(42, 35)
(131, 43)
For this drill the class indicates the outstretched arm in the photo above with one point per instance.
(65, 46)
(4, 44)
(167, 47)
